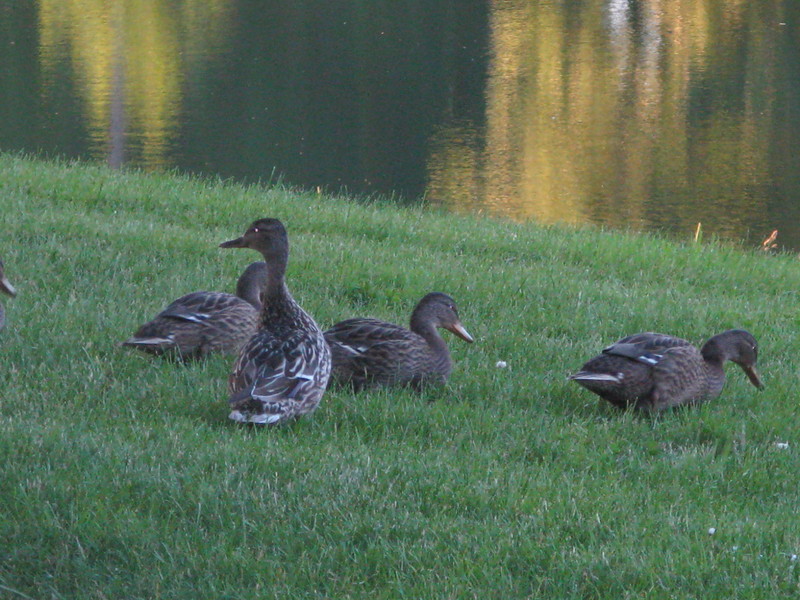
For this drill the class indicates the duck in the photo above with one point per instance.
(283, 370)
(6, 288)
(372, 353)
(197, 324)
(652, 372)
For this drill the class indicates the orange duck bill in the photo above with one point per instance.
(458, 329)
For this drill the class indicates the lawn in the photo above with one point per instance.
(121, 476)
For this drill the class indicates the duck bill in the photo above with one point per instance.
(5, 286)
(237, 243)
(752, 376)
(458, 329)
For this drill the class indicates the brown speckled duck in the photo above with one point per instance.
(199, 323)
(6, 288)
(369, 352)
(282, 372)
(652, 371)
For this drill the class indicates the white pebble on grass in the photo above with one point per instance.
(712, 530)
(501, 364)
(782, 445)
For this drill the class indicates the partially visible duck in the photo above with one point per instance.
(368, 352)
(6, 288)
(282, 372)
(199, 323)
(652, 371)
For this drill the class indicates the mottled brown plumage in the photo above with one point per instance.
(199, 323)
(6, 288)
(652, 372)
(368, 352)
(282, 372)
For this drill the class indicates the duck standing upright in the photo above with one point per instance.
(653, 371)
(369, 352)
(282, 372)
(199, 323)
(6, 288)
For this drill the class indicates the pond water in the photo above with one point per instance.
(641, 114)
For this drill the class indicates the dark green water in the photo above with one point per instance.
(651, 115)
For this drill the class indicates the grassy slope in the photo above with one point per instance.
(120, 476)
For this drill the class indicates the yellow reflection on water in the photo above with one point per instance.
(128, 60)
(588, 116)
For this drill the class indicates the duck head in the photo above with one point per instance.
(736, 345)
(267, 236)
(440, 310)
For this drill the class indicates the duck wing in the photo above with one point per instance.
(201, 307)
(369, 351)
(198, 323)
(647, 348)
(355, 336)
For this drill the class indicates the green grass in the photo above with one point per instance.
(121, 477)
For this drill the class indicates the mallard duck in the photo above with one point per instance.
(282, 372)
(653, 371)
(369, 352)
(6, 288)
(199, 323)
